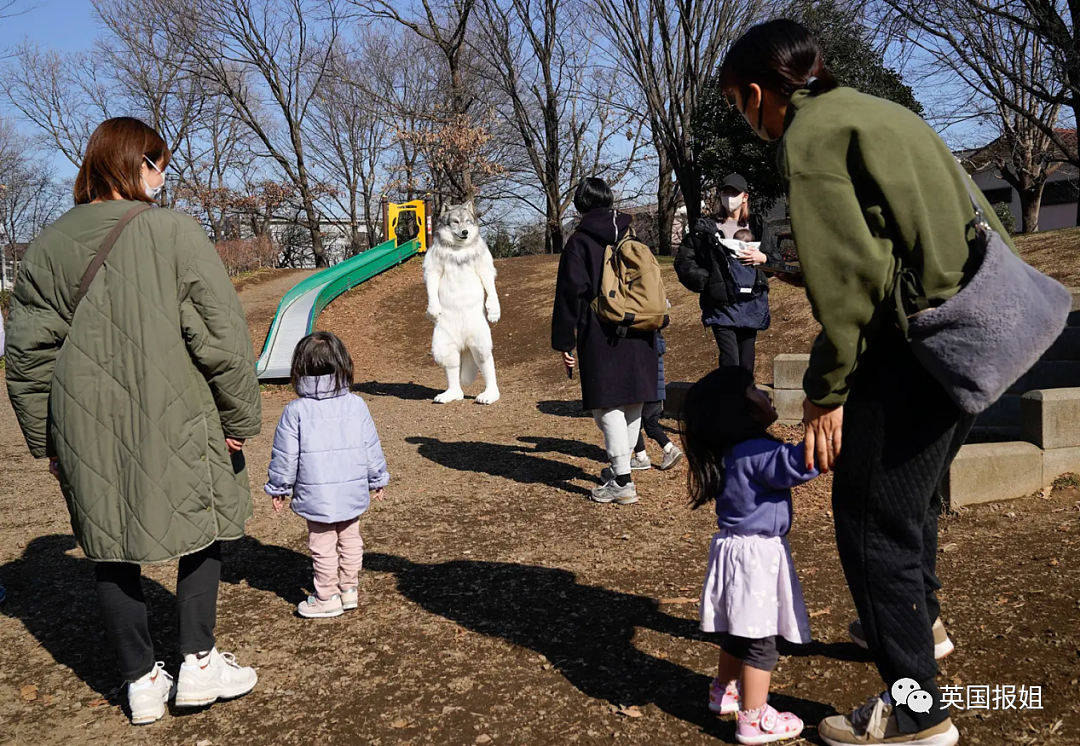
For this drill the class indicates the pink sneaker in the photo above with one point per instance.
(766, 726)
(316, 608)
(724, 700)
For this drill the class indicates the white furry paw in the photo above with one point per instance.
(488, 397)
(494, 313)
(450, 395)
(434, 312)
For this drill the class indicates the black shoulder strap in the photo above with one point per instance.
(103, 253)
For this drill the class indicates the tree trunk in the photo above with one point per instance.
(665, 207)
(1030, 202)
(690, 184)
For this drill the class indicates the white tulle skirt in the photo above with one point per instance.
(751, 589)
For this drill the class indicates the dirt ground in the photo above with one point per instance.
(498, 605)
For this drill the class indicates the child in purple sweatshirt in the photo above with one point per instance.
(751, 592)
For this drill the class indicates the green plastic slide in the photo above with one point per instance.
(301, 306)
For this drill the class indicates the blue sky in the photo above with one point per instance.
(69, 25)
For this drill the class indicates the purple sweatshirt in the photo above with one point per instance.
(758, 478)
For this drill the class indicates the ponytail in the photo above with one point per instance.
(780, 56)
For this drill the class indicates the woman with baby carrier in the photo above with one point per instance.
(733, 294)
(927, 316)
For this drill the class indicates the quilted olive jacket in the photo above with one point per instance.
(136, 394)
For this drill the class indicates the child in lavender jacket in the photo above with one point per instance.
(328, 458)
(751, 592)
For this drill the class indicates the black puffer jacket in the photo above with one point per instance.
(702, 267)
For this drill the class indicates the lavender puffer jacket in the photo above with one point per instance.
(326, 454)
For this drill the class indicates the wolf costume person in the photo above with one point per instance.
(458, 273)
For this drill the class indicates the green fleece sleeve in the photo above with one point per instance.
(847, 272)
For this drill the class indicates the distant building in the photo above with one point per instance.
(12, 254)
(1060, 196)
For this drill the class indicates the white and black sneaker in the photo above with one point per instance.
(148, 696)
(208, 677)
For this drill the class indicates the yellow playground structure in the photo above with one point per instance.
(407, 221)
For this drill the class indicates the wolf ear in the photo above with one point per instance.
(470, 207)
(446, 208)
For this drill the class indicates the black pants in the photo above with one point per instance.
(123, 609)
(650, 425)
(901, 433)
(756, 653)
(736, 346)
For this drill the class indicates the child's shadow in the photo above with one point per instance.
(585, 632)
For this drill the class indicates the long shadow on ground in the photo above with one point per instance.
(585, 632)
(562, 409)
(266, 567)
(52, 593)
(516, 463)
(406, 391)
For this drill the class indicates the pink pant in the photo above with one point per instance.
(337, 552)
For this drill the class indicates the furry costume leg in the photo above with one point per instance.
(448, 354)
(481, 348)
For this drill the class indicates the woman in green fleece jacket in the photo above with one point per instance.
(868, 181)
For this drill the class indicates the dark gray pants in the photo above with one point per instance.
(759, 653)
(736, 346)
(123, 609)
(650, 425)
(901, 432)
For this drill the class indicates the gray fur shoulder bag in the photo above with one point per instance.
(982, 340)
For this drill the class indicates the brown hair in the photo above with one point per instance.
(322, 354)
(780, 56)
(114, 160)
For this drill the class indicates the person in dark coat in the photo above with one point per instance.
(650, 423)
(734, 297)
(618, 373)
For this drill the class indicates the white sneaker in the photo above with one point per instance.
(148, 696)
(350, 599)
(216, 676)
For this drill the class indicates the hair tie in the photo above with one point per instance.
(810, 81)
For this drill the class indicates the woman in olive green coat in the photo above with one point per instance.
(141, 397)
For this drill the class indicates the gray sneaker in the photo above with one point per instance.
(611, 492)
(640, 464)
(671, 458)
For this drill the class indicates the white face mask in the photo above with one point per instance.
(732, 203)
(153, 192)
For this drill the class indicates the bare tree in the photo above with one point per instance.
(1001, 63)
(669, 48)
(65, 96)
(457, 133)
(349, 140)
(268, 59)
(30, 196)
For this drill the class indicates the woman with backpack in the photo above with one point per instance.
(618, 368)
(733, 295)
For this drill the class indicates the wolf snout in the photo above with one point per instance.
(463, 235)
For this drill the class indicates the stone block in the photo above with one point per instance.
(788, 371)
(1051, 418)
(1059, 461)
(988, 472)
(676, 398)
(788, 403)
